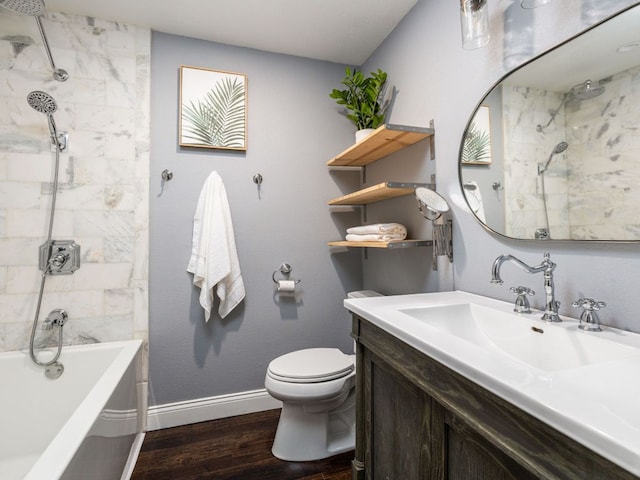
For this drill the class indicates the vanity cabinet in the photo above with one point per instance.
(419, 420)
(384, 141)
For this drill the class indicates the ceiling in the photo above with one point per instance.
(341, 31)
(591, 56)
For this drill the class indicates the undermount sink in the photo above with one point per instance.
(521, 337)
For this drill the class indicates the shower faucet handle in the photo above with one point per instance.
(521, 304)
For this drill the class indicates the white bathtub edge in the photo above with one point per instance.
(55, 459)
(211, 408)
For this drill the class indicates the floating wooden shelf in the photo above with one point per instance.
(389, 245)
(381, 191)
(384, 141)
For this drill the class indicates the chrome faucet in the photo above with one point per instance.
(546, 267)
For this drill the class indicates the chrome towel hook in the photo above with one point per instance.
(257, 179)
(166, 176)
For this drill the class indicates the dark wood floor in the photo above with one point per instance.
(229, 448)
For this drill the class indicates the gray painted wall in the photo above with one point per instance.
(437, 79)
(294, 129)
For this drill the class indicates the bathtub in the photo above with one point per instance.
(83, 425)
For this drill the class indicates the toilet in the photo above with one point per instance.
(317, 390)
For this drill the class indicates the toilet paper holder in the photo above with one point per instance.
(285, 270)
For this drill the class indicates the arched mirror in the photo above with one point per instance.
(553, 150)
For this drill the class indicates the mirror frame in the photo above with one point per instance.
(482, 102)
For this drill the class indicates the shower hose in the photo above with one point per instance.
(46, 272)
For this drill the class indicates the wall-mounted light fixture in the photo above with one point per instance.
(433, 207)
(474, 22)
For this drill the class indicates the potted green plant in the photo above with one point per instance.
(363, 98)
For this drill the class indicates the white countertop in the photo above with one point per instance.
(597, 405)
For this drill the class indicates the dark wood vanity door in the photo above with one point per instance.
(418, 420)
(414, 437)
(470, 457)
(400, 417)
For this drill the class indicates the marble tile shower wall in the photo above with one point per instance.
(599, 168)
(524, 148)
(103, 192)
(604, 161)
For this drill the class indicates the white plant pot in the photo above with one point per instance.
(362, 134)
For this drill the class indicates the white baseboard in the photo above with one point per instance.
(204, 409)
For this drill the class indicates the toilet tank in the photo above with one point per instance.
(363, 294)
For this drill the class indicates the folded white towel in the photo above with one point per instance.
(378, 228)
(372, 237)
(214, 259)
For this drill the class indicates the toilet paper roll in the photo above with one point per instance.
(286, 286)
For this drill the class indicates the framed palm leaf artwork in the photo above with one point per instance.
(477, 141)
(213, 109)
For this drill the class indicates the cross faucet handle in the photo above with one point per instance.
(588, 304)
(589, 320)
(522, 302)
(520, 290)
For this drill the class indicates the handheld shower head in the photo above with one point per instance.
(24, 7)
(559, 148)
(44, 103)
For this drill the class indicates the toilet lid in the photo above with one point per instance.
(311, 365)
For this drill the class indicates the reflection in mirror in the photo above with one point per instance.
(564, 137)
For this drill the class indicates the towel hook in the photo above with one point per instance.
(257, 179)
(285, 270)
(166, 175)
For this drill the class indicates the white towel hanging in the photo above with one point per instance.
(474, 197)
(214, 259)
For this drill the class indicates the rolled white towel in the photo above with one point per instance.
(378, 228)
(372, 237)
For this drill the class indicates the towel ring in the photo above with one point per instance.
(285, 270)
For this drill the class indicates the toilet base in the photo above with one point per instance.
(304, 436)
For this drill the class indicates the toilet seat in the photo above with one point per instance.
(312, 365)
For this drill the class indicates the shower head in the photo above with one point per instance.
(559, 148)
(584, 91)
(44, 103)
(577, 93)
(24, 7)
